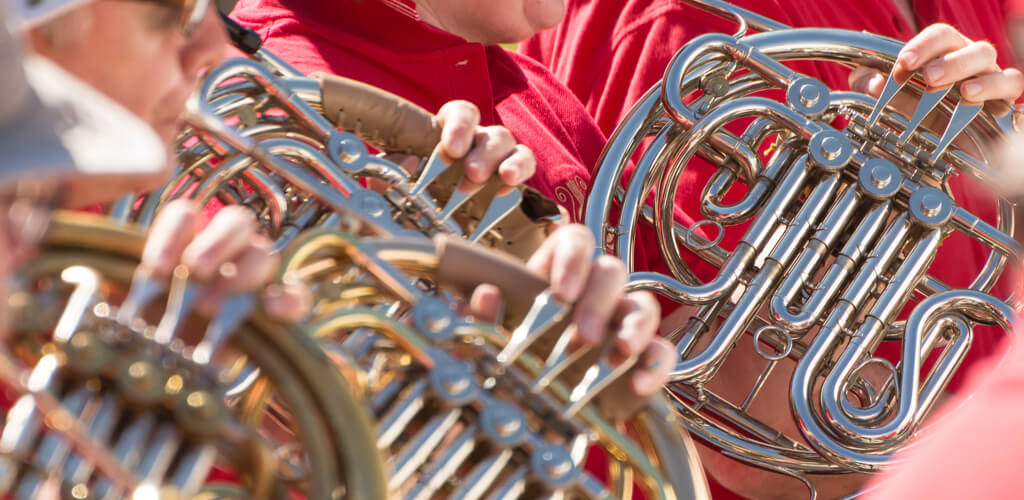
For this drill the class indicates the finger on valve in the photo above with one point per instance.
(248, 271)
(227, 236)
(602, 296)
(171, 232)
(628, 394)
(564, 259)
(458, 120)
(518, 166)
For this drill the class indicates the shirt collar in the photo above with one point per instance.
(507, 77)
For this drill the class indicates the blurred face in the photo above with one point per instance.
(489, 21)
(136, 52)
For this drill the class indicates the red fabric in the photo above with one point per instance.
(372, 42)
(635, 39)
(610, 52)
(977, 438)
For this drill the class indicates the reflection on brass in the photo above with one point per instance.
(112, 412)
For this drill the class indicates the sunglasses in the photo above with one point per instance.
(192, 12)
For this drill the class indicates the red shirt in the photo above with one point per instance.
(1014, 10)
(609, 52)
(379, 44)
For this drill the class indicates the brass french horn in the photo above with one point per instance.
(120, 398)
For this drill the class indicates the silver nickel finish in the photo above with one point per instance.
(813, 242)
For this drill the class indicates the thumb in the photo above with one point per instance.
(867, 81)
(172, 231)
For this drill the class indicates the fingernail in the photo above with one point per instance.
(626, 337)
(591, 329)
(934, 73)
(228, 270)
(508, 174)
(909, 58)
(568, 287)
(971, 89)
(291, 278)
(273, 290)
(458, 146)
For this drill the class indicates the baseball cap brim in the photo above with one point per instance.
(67, 126)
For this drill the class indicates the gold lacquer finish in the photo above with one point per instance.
(112, 408)
(463, 408)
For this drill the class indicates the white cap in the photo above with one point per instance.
(25, 14)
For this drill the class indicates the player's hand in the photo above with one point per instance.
(947, 57)
(603, 308)
(229, 255)
(484, 150)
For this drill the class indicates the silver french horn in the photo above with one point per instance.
(842, 206)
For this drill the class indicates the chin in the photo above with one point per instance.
(547, 14)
